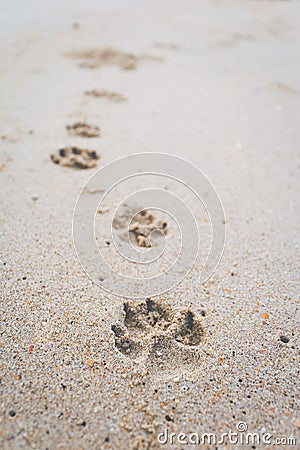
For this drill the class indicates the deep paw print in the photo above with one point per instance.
(76, 158)
(152, 331)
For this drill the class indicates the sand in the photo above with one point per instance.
(214, 82)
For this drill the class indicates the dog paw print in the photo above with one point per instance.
(152, 331)
(142, 225)
(83, 129)
(75, 157)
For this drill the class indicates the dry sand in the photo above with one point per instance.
(215, 82)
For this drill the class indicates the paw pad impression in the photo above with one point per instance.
(75, 157)
(148, 324)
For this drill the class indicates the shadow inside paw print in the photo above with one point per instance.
(150, 331)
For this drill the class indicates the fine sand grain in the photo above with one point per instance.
(214, 82)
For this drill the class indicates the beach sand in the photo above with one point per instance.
(216, 83)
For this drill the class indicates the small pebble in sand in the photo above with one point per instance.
(265, 316)
(12, 413)
(91, 362)
(103, 210)
(284, 339)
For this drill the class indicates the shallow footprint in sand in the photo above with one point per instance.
(155, 332)
(75, 157)
(108, 95)
(83, 129)
(143, 224)
(98, 57)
